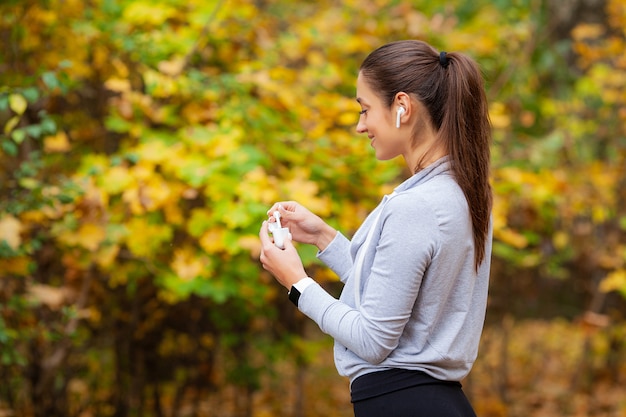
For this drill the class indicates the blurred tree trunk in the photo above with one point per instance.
(49, 389)
(564, 15)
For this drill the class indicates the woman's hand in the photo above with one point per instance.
(284, 264)
(304, 226)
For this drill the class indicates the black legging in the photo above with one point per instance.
(431, 400)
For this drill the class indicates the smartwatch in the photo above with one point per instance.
(297, 288)
(294, 295)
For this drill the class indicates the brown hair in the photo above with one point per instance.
(451, 88)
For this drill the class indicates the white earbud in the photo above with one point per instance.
(401, 111)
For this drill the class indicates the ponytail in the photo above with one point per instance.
(467, 132)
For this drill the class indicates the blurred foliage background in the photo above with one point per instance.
(141, 143)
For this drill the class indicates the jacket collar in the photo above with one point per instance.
(438, 167)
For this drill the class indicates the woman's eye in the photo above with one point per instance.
(362, 112)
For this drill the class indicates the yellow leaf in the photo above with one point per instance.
(159, 85)
(56, 143)
(307, 192)
(144, 238)
(89, 236)
(13, 121)
(258, 186)
(226, 143)
(560, 240)
(148, 12)
(198, 112)
(95, 315)
(614, 281)
(348, 118)
(154, 194)
(132, 197)
(18, 103)
(154, 151)
(151, 195)
(15, 266)
(142, 171)
(100, 55)
(326, 275)
(187, 265)
(116, 180)
(10, 229)
(511, 237)
(120, 68)
(38, 216)
(158, 191)
(117, 84)
(252, 244)
(173, 214)
(500, 118)
(588, 31)
(107, 255)
(213, 241)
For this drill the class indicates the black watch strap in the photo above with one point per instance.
(294, 295)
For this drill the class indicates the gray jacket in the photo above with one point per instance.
(422, 303)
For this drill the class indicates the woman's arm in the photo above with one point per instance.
(398, 262)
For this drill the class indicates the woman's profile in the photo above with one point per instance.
(409, 319)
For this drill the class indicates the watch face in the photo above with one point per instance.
(294, 295)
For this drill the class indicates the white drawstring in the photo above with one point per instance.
(358, 262)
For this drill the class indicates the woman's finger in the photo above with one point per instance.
(264, 236)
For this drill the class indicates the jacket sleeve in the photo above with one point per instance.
(337, 256)
(395, 266)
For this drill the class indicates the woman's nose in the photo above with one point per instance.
(360, 126)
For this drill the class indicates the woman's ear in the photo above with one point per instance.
(402, 104)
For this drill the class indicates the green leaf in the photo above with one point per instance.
(29, 183)
(34, 131)
(9, 147)
(31, 94)
(48, 126)
(4, 102)
(65, 199)
(200, 221)
(622, 223)
(117, 124)
(50, 80)
(18, 136)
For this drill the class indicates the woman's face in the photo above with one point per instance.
(379, 122)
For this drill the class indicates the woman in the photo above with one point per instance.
(410, 316)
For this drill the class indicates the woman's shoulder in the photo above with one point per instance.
(440, 187)
(441, 196)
